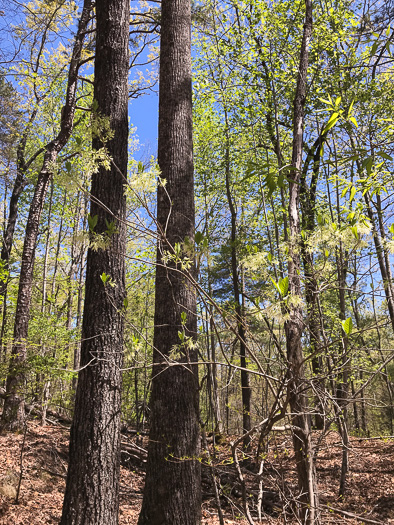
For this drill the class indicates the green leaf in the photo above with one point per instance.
(284, 286)
(111, 228)
(92, 221)
(271, 183)
(183, 317)
(325, 101)
(331, 123)
(350, 108)
(338, 101)
(275, 284)
(347, 326)
(374, 48)
(352, 119)
(368, 165)
(105, 278)
(334, 116)
(68, 166)
(384, 155)
(198, 237)
(125, 305)
(355, 232)
(353, 192)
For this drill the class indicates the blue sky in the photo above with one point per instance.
(143, 113)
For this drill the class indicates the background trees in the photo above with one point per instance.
(246, 65)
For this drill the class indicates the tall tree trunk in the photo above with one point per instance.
(8, 236)
(215, 400)
(298, 401)
(92, 486)
(20, 182)
(246, 392)
(80, 292)
(343, 385)
(308, 208)
(13, 411)
(382, 257)
(172, 493)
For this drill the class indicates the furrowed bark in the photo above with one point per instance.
(92, 486)
(172, 493)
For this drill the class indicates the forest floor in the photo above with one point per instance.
(44, 449)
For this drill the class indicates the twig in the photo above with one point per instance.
(351, 515)
(243, 484)
(213, 474)
(16, 502)
(260, 496)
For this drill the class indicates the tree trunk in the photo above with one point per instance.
(80, 291)
(382, 257)
(13, 412)
(92, 486)
(20, 182)
(308, 204)
(172, 493)
(298, 401)
(246, 392)
(8, 236)
(343, 385)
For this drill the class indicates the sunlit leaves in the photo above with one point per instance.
(282, 286)
(347, 326)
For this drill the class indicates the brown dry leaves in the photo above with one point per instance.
(370, 482)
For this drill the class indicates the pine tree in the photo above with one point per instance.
(172, 490)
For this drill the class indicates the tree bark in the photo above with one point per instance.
(92, 486)
(298, 401)
(308, 208)
(343, 385)
(172, 493)
(382, 257)
(246, 392)
(20, 182)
